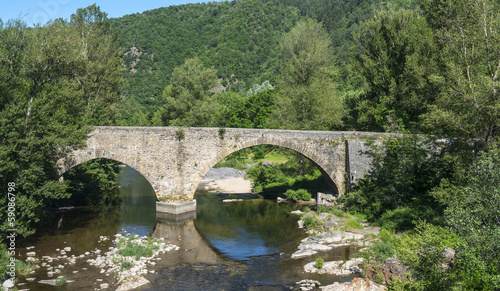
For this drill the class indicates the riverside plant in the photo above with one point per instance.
(318, 263)
(61, 280)
(23, 268)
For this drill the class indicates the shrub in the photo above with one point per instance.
(23, 268)
(297, 195)
(382, 250)
(310, 221)
(179, 134)
(222, 132)
(319, 263)
(61, 280)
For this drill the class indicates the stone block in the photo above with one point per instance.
(179, 208)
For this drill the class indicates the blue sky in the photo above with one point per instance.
(41, 11)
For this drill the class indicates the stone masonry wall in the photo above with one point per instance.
(175, 167)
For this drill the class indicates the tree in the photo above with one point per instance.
(474, 213)
(44, 110)
(398, 68)
(188, 101)
(307, 97)
(100, 78)
(468, 104)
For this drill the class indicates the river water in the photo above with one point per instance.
(243, 245)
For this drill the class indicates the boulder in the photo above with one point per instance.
(391, 269)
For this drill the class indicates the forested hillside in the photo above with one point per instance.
(240, 39)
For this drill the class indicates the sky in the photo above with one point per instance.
(41, 11)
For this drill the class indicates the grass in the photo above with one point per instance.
(23, 268)
(128, 248)
(352, 223)
(126, 266)
(61, 280)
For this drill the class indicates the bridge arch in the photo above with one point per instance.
(323, 167)
(66, 164)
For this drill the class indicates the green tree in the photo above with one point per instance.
(254, 112)
(398, 68)
(474, 214)
(188, 101)
(468, 102)
(307, 97)
(99, 79)
(397, 191)
(44, 112)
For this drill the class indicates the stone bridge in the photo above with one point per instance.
(175, 159)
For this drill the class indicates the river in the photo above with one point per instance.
(243, 245)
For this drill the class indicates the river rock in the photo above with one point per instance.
(339, 268)
(30, 254)
(133, 283)
(297, 212)
(8, 284)
(391, 269)
(67, 249)
(104, 286)
(303, 253)
(48, 282)
(357, 284)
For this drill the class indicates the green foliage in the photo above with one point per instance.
(397, 67)
(353, 223)
(187, 99)
(307, 97)
(61, 280)
(4, 261)
(23, 268)
(467, 34)
(222, 132)
(231, 163)
(238, 38)
(55, 81)
(179, 134)
(398, 189)
(298, 195)
(296, 173)
(474, 214)
(126, 266)
(318, 263)
(129, 248)
(310, 222)
(93, 183)
(381, 250)
(255, 111)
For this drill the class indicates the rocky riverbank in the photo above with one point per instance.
(121, 268)
(327, 232)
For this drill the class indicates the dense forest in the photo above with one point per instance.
(429, 68)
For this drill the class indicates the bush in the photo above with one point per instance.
(310, 221)
(61, 280)
(382, 250)
(23, 268)
(319, 263)
(179, 134)
(298, 195)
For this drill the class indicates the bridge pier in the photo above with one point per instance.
(176, 208)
